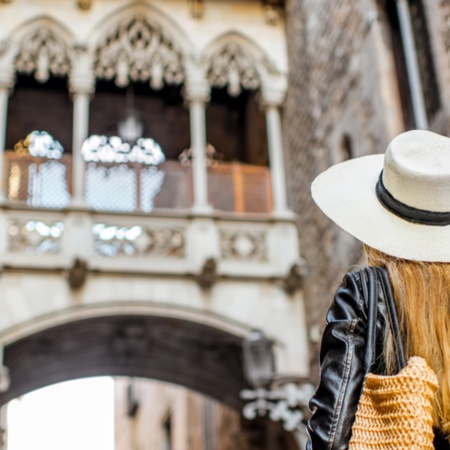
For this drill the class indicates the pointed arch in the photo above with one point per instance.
(42, 47)
(236, 61)
(140, 43)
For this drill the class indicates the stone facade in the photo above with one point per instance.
(171, 417)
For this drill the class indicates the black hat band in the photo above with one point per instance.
(409, 213)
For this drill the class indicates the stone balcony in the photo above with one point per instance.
(132, 232)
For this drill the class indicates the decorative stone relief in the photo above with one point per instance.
(113, 240)
(231, 66)
(43, 54)
(245, 245)
(139, 51)
(34, 237)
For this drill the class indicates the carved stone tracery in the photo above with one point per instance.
(139, 51)
(243, 245)
(43, 54)
(231, 66)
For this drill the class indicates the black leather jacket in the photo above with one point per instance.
(334, 404)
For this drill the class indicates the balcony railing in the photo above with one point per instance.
(130, 187)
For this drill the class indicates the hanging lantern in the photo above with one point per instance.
(259, 363)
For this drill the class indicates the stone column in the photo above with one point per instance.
(81, 84)
(412, 65)
(197, 95)
(272, 99)
(6, 85)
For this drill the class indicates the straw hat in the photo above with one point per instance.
(398, 203)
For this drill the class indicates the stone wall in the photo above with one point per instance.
(171, 417)
(342, 101)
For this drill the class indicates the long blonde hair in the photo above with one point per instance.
(422, 294)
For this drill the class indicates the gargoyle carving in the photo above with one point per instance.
(208, 274)
(77, 274)
(294, 278)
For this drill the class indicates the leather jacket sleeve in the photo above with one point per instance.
(336, 399)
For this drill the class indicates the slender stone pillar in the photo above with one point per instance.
(412, 65)
(272, 99)
(81, 85)
(6, 85)
(197, 95)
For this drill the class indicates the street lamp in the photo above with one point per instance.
(284, 404)
(259, 363)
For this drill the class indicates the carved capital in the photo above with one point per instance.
(82, 76)
(273, 92)
(81, 83)
(197, 90)
(7, 77)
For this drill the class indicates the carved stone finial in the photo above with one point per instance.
(84, 5)
(208, 275)
(295, 277)
(77, 274)
(197, 8)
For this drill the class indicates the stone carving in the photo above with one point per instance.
(208, 274)
(84, 5)
(113, 240)
(139, 51)
(245, 245)
(43, 54)
(231, 66)
(295, 277)
(35, 237)
(77, 274)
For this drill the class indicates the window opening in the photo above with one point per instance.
(132, 154)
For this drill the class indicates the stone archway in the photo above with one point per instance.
(196, 356)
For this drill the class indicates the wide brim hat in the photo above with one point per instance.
(399, 202)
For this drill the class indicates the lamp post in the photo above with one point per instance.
(259, 363)
(284, 404)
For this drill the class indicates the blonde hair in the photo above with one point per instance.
(422, 295)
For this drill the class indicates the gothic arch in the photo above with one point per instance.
(140, 43)
(42, 47)
(235, 61)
